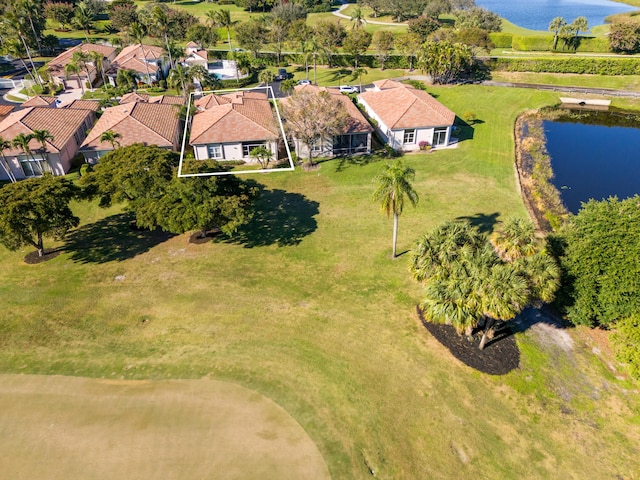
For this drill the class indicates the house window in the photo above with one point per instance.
(409, 136)
(31, 167)
(78, 137)
(439, 136)
(247, 147)
(214, 151)
(316, 145)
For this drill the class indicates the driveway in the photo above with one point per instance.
(69, 96)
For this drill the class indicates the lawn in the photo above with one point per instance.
(305, 307)
(619, 82)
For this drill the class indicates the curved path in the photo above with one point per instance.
(338, 13)
(71, 428)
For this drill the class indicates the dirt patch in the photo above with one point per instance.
(32, 258)
(197, 238)
(75, 428)
(499, 357)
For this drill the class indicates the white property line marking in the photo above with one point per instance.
(290, 168)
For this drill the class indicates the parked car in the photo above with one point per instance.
(282, 74)
(349, 89)
(304, 81)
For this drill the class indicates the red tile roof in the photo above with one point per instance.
(40, 101)
(131, 58)
(56, 66)
(5, 110)
(92, 105)
(247, 118)
(402, 106)
(143, 97)
(62, 123)
(211, 100)
(148, 123)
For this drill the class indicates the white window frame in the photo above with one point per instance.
(212, 148)
(409, 133)
(247, 147)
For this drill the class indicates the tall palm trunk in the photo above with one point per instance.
(229, 37)
(146, 64)
(395, 232)
(34, 72)
(488, 329)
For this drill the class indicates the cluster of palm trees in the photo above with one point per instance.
(82, 61)
(472, 280)
(22, 142)
(567, 31)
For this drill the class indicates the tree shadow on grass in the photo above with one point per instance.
(280, 218)
(357, 160)
(482, 221)
(111, 239)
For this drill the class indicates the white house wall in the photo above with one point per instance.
(231, 151)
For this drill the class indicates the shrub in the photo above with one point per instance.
(596, 66)
(501, 40)
(626, 341)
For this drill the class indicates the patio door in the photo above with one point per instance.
(439, 137)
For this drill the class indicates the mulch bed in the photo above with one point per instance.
(32, 258)
(499, 357)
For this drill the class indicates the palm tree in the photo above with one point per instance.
(5, 145)
(97, 59)
(161, 20)
(72, 68)
(358, 73)
(221, 18)
(357, 17)
(179, 76)
(44, 136)
(138, 32)
(22, 141)
(12, 22)
(392, 185)
(555, 26)
(82, 59)
(111, 137)
(580, 24)
(262, 155)
(515, 239)
(83, 18)
(265, 77)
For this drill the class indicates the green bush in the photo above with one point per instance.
(501, 40)
(594, 44)
(627, 344)
(580, 65)
(532, 43)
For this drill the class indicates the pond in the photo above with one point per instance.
(594, 155)
(537, 14)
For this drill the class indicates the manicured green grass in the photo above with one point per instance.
(306, 307)
(329, 77)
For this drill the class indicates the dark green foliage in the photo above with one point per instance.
(202, 35)
(474, 37)
(444, 61)
(251, 35)
(543, 43)
(145, 177)
(35, 208)
(601, 262)
(596, 66)
(423, 26)
(624, 37)
(122, 14)
(478, 17)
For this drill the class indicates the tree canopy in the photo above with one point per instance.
(600, 261)
(36, 208)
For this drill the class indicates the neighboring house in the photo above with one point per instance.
(40, 101)
(59, 76)
(354, 139)
(141, 59)
(194, 56)
(406, 116)
(67, 126)
(5, 110)
(146, 123)
(228, 127)
(144, 98)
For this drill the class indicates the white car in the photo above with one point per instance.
(349, 89)
(304, 82)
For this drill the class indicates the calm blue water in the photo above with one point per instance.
(593, 161)
(537, 14)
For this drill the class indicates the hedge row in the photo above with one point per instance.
(501, 40)
(544, 43)
(596, 66)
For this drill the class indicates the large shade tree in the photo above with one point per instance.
(393, 186)
(36, 208)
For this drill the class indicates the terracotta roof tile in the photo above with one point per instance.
(56, 66)
(62, 123)
(40, 101)
(5, 110)
(235, 122)
(134, 97)
(131, 58)
(402, 106)
(92, 105)
(211, 100)
(148, 123)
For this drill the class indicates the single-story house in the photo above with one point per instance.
(56, 67)
(141, 59)
(68, 127)
(91, 105)
(5, 110)
(406, 116)
(40, 101)
(354, 139)
(228, 127)
(143, 97)
(139, 122)
(194, 56)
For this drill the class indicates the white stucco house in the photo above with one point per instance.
(148, 61)
(406, 116)
(229, 126)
